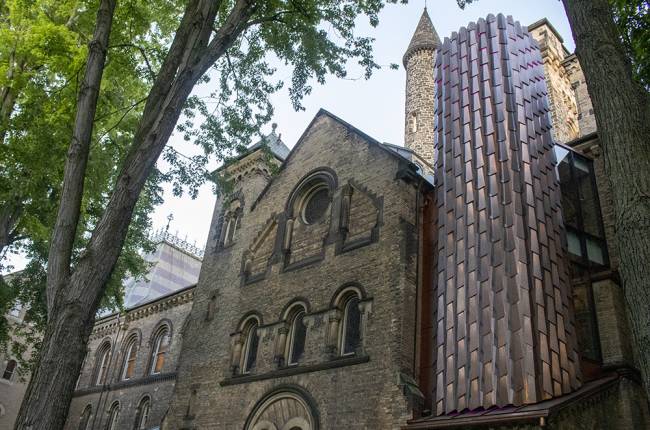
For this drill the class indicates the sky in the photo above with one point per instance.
(375, 106)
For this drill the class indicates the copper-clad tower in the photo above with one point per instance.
(505, 330)
(418, 62)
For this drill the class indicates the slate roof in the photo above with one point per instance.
(425, 37)
(274, 143)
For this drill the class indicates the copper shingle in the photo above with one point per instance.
(505, 329)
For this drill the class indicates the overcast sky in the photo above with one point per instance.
(375, 106)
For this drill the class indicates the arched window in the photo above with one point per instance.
(232, 222)
(351, 328)
(287, 409)
(101, 363)
(251, 342)
(297, 336)
(310, 201)
(159, 351)
(130, 355)
(10, 369)
(113, 414)
(142, 414)
(84, 419)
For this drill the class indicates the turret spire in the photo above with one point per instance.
(424, 38)
(420, 89)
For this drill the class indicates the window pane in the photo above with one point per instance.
(299, 335)
(595, 251)
(142, 415)
(85, 418)
(352, 337)
(588, 200)
(160, 350)
(112, 418)
(251, 352)
(574, 243)
(570, 199)
(316, 206)
(160, 361)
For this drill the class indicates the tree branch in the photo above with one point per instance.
(152, 74)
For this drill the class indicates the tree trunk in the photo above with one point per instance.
(65, 229)
(71, 312)
(70, 317)
(622, 111)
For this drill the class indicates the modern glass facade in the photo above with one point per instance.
(585, 241)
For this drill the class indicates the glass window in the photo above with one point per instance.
(101, 369)
(142, 414)
(250, 352)
(10, 368)
(297, 338)
(581, 211)
(351, 327)
(159, 352)
(130, 355)
(84, 420)
(113, 415)
(316, 203)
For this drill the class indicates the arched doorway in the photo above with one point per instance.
(283, 409)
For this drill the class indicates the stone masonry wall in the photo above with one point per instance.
(586, 117)
(360, 392)
(564, 111)
(420, 87)
(143, 321)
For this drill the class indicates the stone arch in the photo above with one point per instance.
(284, 408)
(345, 291)
(322, 174)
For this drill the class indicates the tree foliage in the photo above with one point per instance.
(43, 49)
(633, 20)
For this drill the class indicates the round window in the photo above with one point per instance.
(315, 205)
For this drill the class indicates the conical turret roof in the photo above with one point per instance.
(425, 37)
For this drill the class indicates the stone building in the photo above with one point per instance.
(462, 281)
(13, 379)
(129, 372)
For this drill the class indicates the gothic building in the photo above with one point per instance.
(464, 280)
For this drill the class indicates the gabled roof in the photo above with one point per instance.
(370, 140)
(425, 37)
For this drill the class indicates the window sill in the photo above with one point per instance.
(296, 370)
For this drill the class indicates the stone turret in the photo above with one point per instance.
(418, 62)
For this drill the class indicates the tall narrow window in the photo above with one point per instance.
(142, 414)
(250, 350)
(232, 222)
(413, 122)
(10, 369)
(351, 339)
(113, 415)
(160, 347)
(84, 419)
(297, 336)
(101, 366)
(130, 355)
(212, 307)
